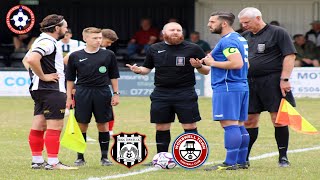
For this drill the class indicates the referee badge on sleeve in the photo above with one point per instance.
(180, 61)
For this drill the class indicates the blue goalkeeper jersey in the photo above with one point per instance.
(223, 80)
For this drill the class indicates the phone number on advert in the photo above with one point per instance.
(306, 89)
(136, 92)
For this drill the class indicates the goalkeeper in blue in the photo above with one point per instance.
(229, 68)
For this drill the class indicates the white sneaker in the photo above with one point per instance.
(58, 166)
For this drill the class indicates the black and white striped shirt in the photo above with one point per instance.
(51, 62)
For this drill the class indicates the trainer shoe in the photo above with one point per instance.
(222, 166)
(283, 162)
(105, 162)
(38, 165)
(58, 166)
(243, 166)
(79, 162)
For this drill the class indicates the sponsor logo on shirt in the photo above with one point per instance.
(218, 115)
(80, 60)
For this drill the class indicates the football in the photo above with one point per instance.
(20, 19)
(164, 160)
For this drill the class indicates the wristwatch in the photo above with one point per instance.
(284, 79)
(116, 93)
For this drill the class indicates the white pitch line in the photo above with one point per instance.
(263, 156)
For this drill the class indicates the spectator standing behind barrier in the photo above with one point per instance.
(271, 58)
(313, 33)
(306, 52)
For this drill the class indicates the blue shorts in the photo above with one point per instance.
(232, 105)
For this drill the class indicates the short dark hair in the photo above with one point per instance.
(49, 23)
(297, 35)
(195, 33)
(228, 16)
(110, 34)
(69, 31)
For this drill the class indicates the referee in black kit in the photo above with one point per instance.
(271, 58)
(94, 68)
(174, 61)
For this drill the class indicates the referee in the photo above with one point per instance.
(271, 57)
(93, 68)
(174, 61)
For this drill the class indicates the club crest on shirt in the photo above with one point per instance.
(180, 61)
(261, 48)
(102, 69)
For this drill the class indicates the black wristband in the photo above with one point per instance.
(284, 79)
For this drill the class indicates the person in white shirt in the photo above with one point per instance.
(69, 45)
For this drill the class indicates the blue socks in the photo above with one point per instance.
(243, 151)
(232, 142)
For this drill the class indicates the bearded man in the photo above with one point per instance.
(174, 61)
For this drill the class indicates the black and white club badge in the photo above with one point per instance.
(180, 61)
(129, 149)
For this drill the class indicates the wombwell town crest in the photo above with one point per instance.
(129, 149)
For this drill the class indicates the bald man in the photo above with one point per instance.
(174, 61)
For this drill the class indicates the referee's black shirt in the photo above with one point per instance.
(92, 69)
(172, 65)
(267, 49)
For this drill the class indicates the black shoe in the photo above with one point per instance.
(38, 165)
(243, 166)
(59, 166)
(148, 164)
(283, 162)
(79, 162)
(105, 162)
(222, 166)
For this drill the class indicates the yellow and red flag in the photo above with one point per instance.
(72, 137)
(287, 115)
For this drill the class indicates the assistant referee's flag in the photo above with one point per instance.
(72, 137)
(287, 115)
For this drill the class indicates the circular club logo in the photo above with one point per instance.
(20, 19)
(190, 150)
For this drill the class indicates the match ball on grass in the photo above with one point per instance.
(164, 160)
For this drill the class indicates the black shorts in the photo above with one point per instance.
(265, 94)
(51, 104)
(165, 103)
(96, 100)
